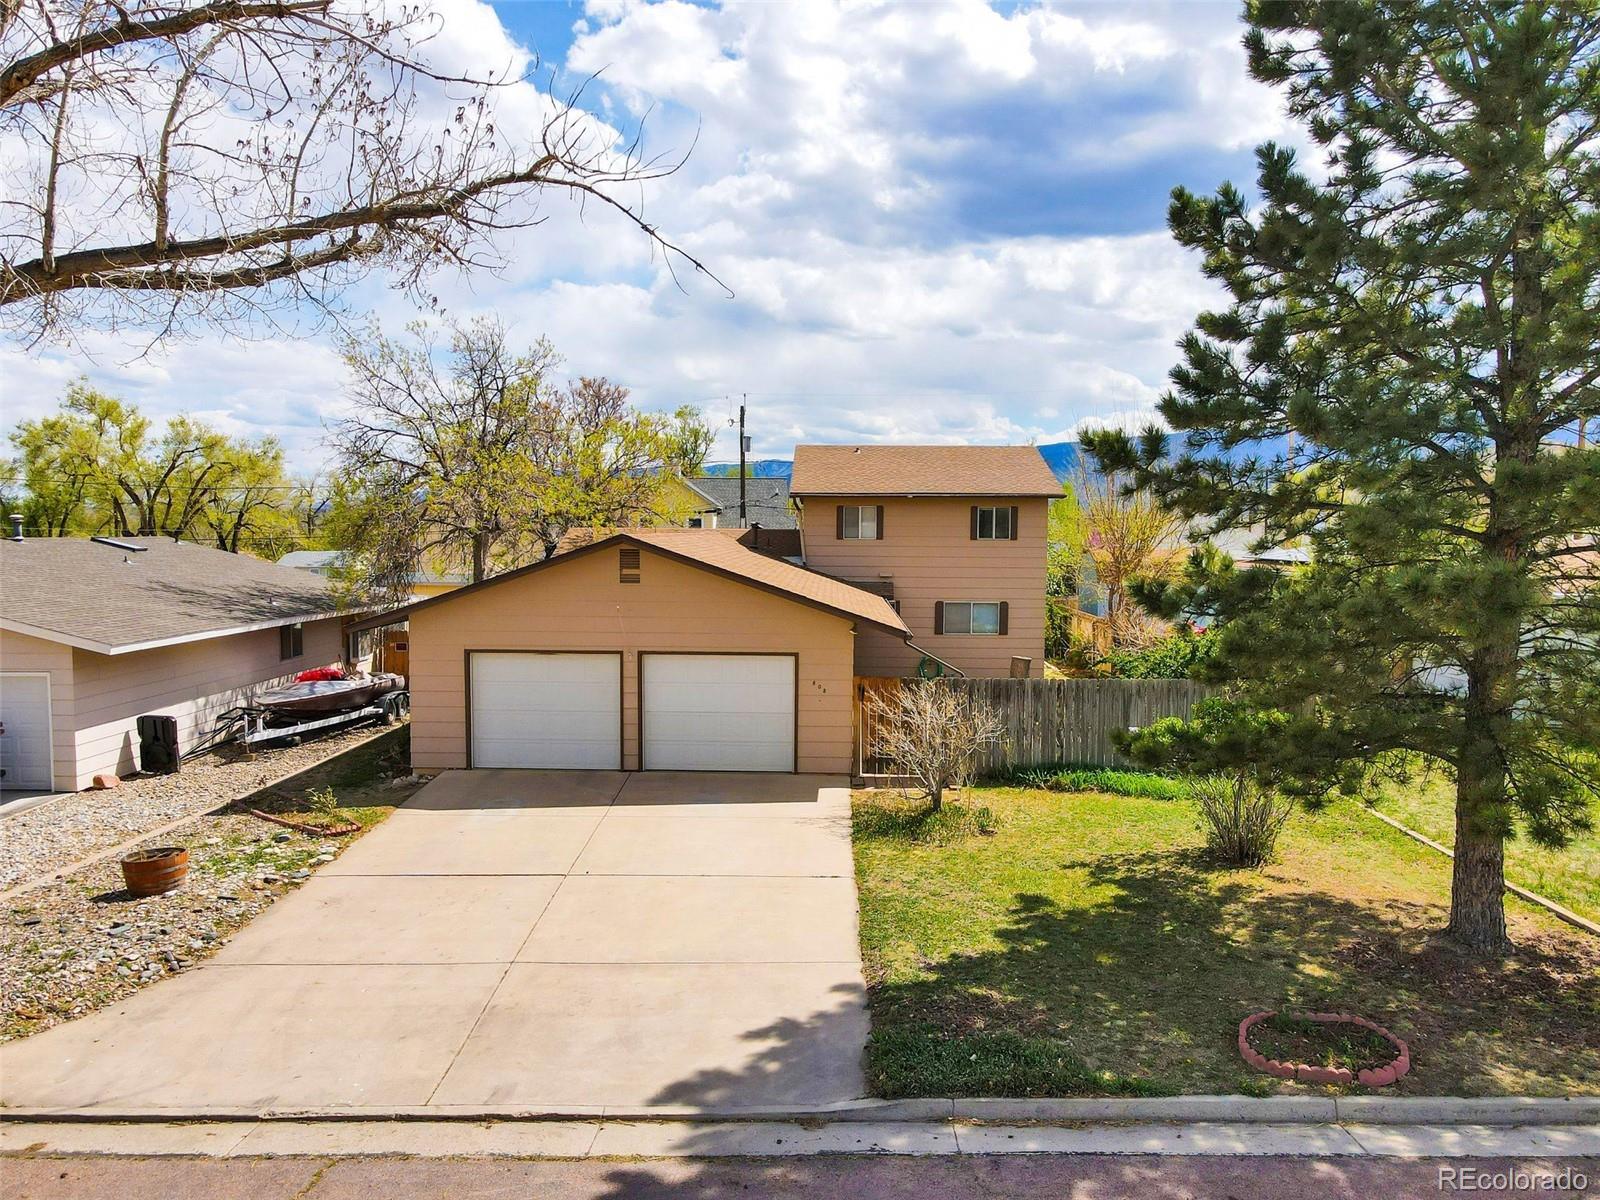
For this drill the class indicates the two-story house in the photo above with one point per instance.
(717, 649)
(953, 536)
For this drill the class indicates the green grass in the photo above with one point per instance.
(1570, 876)
(1098, 779)
(1085, 945)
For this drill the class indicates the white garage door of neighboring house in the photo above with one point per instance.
(24, 731)
(717, 712)
(546, 710)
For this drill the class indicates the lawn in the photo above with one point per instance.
(1570, 876)
(1043, 943)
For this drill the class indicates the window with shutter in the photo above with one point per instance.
(994, 523)
(980, 618)
(860, 522)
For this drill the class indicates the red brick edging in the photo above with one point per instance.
(1305, 1073)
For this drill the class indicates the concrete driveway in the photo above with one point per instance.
(516, 939)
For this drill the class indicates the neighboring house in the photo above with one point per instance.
(327, 562)
(654, 648)
(97, 632)
(955, 536)
(766, 503)
(1240, 545)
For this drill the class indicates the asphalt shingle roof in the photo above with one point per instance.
(766, 500)
(713, 549)
(922, 471)
(104, 598)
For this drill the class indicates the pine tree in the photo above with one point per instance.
(1411, 345)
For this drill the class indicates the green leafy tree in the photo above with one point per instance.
(1416, 322)
(97, 465)
(254, 507)
(1066, 541)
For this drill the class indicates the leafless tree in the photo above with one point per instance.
(932, 733)
(179, 165)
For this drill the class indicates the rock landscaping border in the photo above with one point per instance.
(1306, 1073)
(43, 844)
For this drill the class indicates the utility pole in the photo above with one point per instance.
(744, 446)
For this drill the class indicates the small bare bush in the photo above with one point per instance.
(933, 734)
(1241, 818)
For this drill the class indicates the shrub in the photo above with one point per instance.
(1177, 657)
(932, 734)
(1241, 818)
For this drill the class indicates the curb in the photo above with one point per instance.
(1279, 1110)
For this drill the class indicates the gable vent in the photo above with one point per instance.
(628, 565)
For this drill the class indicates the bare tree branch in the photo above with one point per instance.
(209, 165)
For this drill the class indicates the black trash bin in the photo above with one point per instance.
(158, 745)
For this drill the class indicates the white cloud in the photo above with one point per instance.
(922, 211)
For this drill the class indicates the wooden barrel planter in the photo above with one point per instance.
(151, 872)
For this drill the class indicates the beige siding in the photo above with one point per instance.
(24, 654)
(927, 553)
(580, 605)
(194, 682)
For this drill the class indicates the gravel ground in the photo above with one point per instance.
(82, 942)
(40, 841)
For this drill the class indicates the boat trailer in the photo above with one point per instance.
(249, 725)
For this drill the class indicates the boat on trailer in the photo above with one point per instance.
(326, 697)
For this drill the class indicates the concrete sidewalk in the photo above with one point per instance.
(678, 1139)
(532, 939)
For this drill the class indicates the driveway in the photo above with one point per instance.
(523, 939)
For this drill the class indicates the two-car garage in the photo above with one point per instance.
(696, 712)
(655, 649)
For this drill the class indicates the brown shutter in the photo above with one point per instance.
(1005, 617)
(972, 535)
(1013, 522)
(938, 616)
(838, 529)
(628, 565)
(880, 522)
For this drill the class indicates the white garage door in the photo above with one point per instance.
(24, 731)
(718, 712)
(546, 710)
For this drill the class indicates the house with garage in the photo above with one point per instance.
(96, 632)
(671, 648)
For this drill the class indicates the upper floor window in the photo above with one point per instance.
(982, 617)
(994, 523)
(291, 641)
(863, 521)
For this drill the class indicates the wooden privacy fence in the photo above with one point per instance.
(1046, 720)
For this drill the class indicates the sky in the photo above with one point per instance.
(939, 222)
